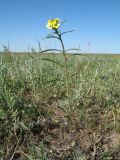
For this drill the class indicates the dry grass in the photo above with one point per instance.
(45, 117)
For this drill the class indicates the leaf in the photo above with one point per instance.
(74, 74)
(73, 49)
(51, 37)
(47, 50)
(67, 32)
(50, 60)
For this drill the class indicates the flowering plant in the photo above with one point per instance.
(55, 24)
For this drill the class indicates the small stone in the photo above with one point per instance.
(72, 144)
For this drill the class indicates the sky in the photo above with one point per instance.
(96, 24)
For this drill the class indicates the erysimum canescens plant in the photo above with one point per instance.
(55, 24)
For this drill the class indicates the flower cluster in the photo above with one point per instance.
(53, 23)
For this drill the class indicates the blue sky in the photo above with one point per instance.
(22, 23)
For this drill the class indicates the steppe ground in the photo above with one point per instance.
(56, 110)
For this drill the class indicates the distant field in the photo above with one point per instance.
(56, 110)
(89, 54)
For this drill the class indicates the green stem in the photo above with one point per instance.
(63, 48)
(61, 41)
(65, 60)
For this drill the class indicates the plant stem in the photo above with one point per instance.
(65, 61)
(61, 41)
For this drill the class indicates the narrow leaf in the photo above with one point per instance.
(51, 37)
(67, 32)
(73, 49)
(50, 60)
(47, 50)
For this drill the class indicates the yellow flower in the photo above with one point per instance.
(53, 23)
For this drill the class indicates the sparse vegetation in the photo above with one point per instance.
(39, 120)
